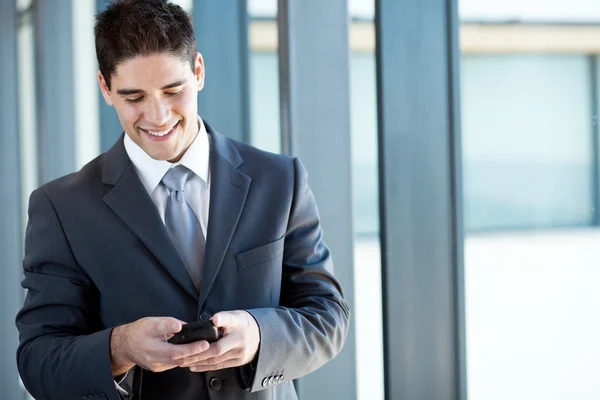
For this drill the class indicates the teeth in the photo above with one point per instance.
(161, 133)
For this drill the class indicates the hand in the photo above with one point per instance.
(144, 343)
(237, 347)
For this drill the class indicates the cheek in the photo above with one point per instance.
(129, 115)
(185, 103)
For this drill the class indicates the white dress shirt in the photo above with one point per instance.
(196, 189)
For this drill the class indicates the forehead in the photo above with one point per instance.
(153, 70)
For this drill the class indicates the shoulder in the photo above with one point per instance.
(254, 162)
(72, 187)
(262, 159)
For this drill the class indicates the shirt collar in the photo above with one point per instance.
(151, 171)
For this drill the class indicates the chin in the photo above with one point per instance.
(161, 155)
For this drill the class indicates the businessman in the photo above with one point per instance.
(175, 223)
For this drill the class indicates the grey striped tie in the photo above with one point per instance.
(182, 224)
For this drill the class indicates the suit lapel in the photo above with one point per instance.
(129, 200)
(229, 188)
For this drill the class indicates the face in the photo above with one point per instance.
(155, 97)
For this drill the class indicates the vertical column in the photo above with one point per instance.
(420, 199)
(10, 199)
(55, 88)
(222, 39)
(315, 124)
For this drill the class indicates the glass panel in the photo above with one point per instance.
(27, 116)
(27, 110)
(23, 5)
(529, 181)
(368, 319)
(264, 101)
(526, 141)
(264, 76)
(262, 8)
(85, 66)
(187, 5)
(365, 200)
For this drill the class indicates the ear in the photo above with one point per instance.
(104, 89)
(199, 71)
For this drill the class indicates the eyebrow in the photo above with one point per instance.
(128, 92)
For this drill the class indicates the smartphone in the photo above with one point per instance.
(195, 331)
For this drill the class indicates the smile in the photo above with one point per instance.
(161, 134)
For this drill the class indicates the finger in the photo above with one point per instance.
(183, 351)
(165, 326)
(234, 362)
(216, 349)
(202, 360)
(222, 346)
(174, 354)
(227, 319)
(235, 352)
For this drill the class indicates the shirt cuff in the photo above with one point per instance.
(124, 394)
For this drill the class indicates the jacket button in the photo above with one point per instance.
(265, 382)
(215, 384)
(271, 380)
(205, 315)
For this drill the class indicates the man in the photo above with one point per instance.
(176, 223)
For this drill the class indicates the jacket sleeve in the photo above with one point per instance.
(63, 354)
(310, 326)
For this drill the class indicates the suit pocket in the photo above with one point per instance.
(260, 254)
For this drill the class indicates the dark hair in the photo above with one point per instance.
(129, 28)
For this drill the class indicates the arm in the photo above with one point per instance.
(310, 327)
(62, 354)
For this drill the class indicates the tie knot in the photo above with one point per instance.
(175, 178)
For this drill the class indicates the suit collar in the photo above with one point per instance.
(130, 201)
(117, 160)
(228, 192)
(223, 147)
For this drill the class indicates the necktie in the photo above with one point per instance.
(182, 224)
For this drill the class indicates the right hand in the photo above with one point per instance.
(144, 343)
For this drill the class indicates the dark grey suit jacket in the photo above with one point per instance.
(97, 255)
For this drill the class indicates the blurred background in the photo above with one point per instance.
(469, 126)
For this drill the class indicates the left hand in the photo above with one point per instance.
(237, 347)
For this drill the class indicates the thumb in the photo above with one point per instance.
(226, 319)
(167, 325)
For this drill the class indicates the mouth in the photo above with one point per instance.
(160, 136)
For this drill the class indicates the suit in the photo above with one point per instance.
(97, 255)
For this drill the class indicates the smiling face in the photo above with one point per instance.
(155, 97)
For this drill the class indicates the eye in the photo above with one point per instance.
(136, 100)
(173, 94)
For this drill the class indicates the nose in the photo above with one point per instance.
(158, 112)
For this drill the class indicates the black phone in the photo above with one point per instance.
(195, 331)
